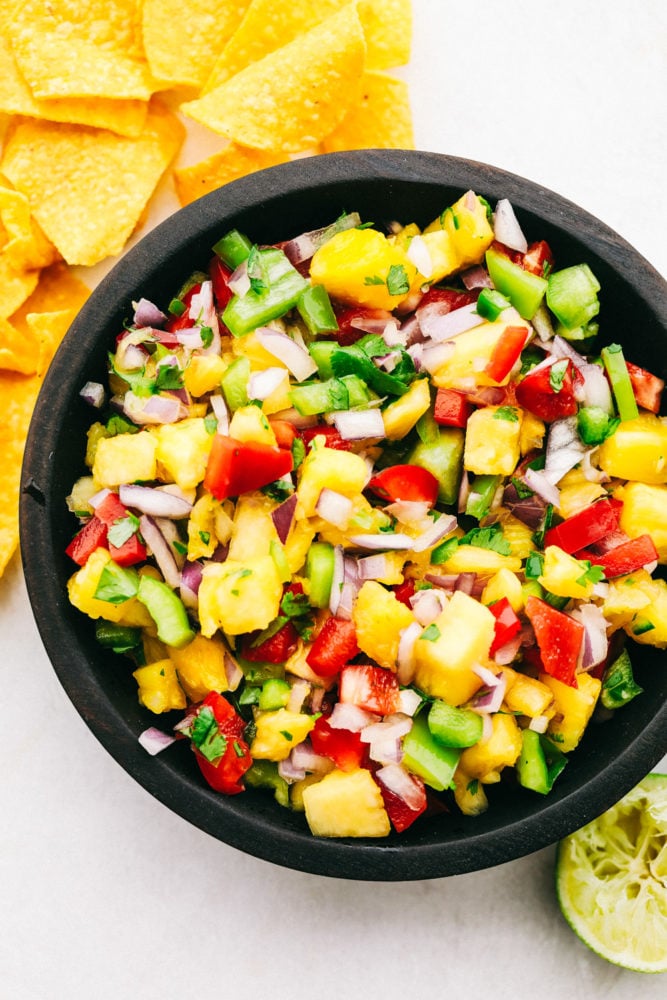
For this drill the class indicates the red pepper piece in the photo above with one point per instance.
(559, 638)
(331, 435)
(220, 275)
(346, 316)
(284, 431)
(536, 257)
(646, 387)
(404, 809)
(225, 773)
(371, 688)
(507, 352)
(334, 646)
(92, 536)
(404, 591)
(585, 527)
(236, 467)
(454, 297)
(132, 551)
(342, 746)
(624, 558)
(452, 408)
(278, 648)
(183, 322)
(405, 482)
(507, 623)
(536, 393)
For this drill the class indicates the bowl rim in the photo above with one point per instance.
(351, 859)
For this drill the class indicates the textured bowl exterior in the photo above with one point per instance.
(269, 206)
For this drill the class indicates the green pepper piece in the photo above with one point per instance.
(274, 694)
(491, 303)
(258, 673)
(454, 727)
(595, 425)
(280, 292)
(617, 370)
(444, 458)
(357, 391)
(320, 397)
(320, 352)
(572, 295)
(353, 360)
(315, 309)
(618, 683)
(120, 638)
(524, 289)
(234, 383)
(423, 755)
(319, 570)
(482, 492)
(264, 774)
(233, 248)
(540, 762)
(167, 611)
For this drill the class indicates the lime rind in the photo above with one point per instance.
(611, 879)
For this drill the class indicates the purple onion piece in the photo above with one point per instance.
(530, 510)
(283, 516)
(146, 313)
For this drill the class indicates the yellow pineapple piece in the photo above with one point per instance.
(202, 537)
(95, 433)
(346, 804)
(644, 512)
(342, 471)
(182, 451)
(298, 788)
(253, 529)
(474, 559)
(517, 534)
(532, 432)
(441, 250)
(250, 424)
(492, 440)
(159, 690)
(469, 794)
(201, 666)
(467, 224)
(203, 373)
(626, 597)
(354, 265)
(125, 458)
(81, 588)
(238, 598)
(574, 707)
(577, 492)
(379, 618)
(297, 544)
(82, 491)
(364, 519)
(279, 399)
(500, 749)
(249, 346)
(562, 574)
(403, 413)
(461, 638)
(277, 733)
(297, 664)
(507, 584)
(637, 450)
(526, 695)
(464, 368)
(649, 626)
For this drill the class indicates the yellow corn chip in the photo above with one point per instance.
(17, 399)
(381, 120)
(26, 245)
(232, 162)
(81, 48)
(293, 97)
(48, 329)
(387, 26)
(124, 117)
(15, 286)
(58, 289)
(181, 47)
(18, 353)
(88, 187)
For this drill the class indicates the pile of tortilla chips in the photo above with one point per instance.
(94, 97)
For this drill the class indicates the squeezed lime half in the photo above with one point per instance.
(611, 879)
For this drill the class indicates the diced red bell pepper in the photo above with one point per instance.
(536, 257)
(284, 431)
(224, 774)
(536, 393)
(330, 434)
(333, 647)
(646, 387)
(624, 558)
(403, 809)
(236, 467)
(507, 623)
(132, 551)
(371, 688)
(278, 648)
(92, 536)
(454, 297)
(507, 352)
(452, 408)
(183, 321)
(404, 591)
(220, 275)
(559, 638)
(405, 482)
(346, 316)
(585, 527)
(342, 746)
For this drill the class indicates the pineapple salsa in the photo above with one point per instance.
(376, 515)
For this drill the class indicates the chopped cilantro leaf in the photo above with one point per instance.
(557, 374)
(397, 280)
(211, 423)
(176, 307)
(122, 530)
(534, 565)
(591, 574)
(506, 413)
(431, 634)
(490, 537)
(373, 279)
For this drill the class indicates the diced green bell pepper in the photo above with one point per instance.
(539, 763)
(274, 694)
(315, 309)
(233, 248)
(491, 303)
(320, 397)
(595, 425)
(444, 458)
(618, 683)
(120, 638)
(482, 491)
(617, 370)
(264, 774)
(234, 383)
(281, 291)
(167, 611)
(524, 289)
(320, 352)
(423, 755)
(454, 727)
(572, 295)
(319, 570)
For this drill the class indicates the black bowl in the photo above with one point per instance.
(270, 206)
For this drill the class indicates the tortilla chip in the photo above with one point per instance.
(88, 187)
(293, 97)
(47, 330)
(58, 289)
(15, 286)
(221, 168)
(387, 26)
(381, 120)
(26, 245)
(17, 399)
(197, 39)
(81, 48)
(18, 353)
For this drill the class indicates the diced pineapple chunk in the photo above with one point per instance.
(95, 433)
(563, 575)
(182, 451)
(500, 749)
(277, 733)
(627, 596)
(574, 707)
(253, 529)
(125, 458)
(532, 432)
(469, 794)
(202, 538)
(201, 666)
(637, 450)
(401, 416)
(346, 804)
(466, 222)
(507, 584)
(82, 491)
(460, 637)
(159, 690)
(203, 373)
(526, 695)
(518, 535)
(441, 250)
(379, 618)
(297, 544)
(249, 346)
(354, 266)
(475, 559)
(649, 626)
(472, 352)
(82, 586)
(342, 471)
(644, 511)
(492, 440)
(237, 598)
(250, 424)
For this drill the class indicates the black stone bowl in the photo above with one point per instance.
(271, 206)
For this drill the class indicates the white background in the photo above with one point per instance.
(106, 894)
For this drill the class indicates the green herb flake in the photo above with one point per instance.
(506, 413)
(298, 451)
(122, 530)
(534, 565)
(473, 786)
(205, 536)
(557, 374)
(206, 334)
(397, 280)
(373, 279)
(206, 736)
(210, 423)
(116, 584)
(640, 627)
(591, 574)
(176, 307)
(490, 537)
(180, 547)
(168, 377)
(431, 634)
(287, 735)
(256, 271)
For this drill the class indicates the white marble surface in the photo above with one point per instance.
(104, 893)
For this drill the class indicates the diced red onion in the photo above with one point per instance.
(190, 338)
(539, 724)
(394, 336)
(303, 756)
(98, 498)
(537, 481)
(406, 652)
(334, 508)
(156, 502)
(408, 511)
(289, 772)
(542, 324)
(337, 579)
(595, 390)
(239, 280)
(283, 516)
(487, 727)
(530, 510)
(386, 751)
(440, 323)
(476, 277)
(401, 783)
(445, 524)
(595, 646)
(565, 449)
(154, 410)
(191, 575)
(154, 740)
(409, 701)
(507, 653)
(386, 541)
(506, 227)
(356, 425)
(298, 694)
(161, 551)
(465, 583)
(262, 384)
(418, 254)
(133, 359)
(464, 492)
(298, 420)
(431, 357)
(392, 727)
(303, 247)
(93, 393)
(427, 605)
(348, 592)
(561, 348)
(490, 698)
(447, 581)
(292, 355)
(221, 413)
(590, 471)
(387, 361)
(350, 717)
(374, 567)
(233, 672)
(146, 313)
(372, 321)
